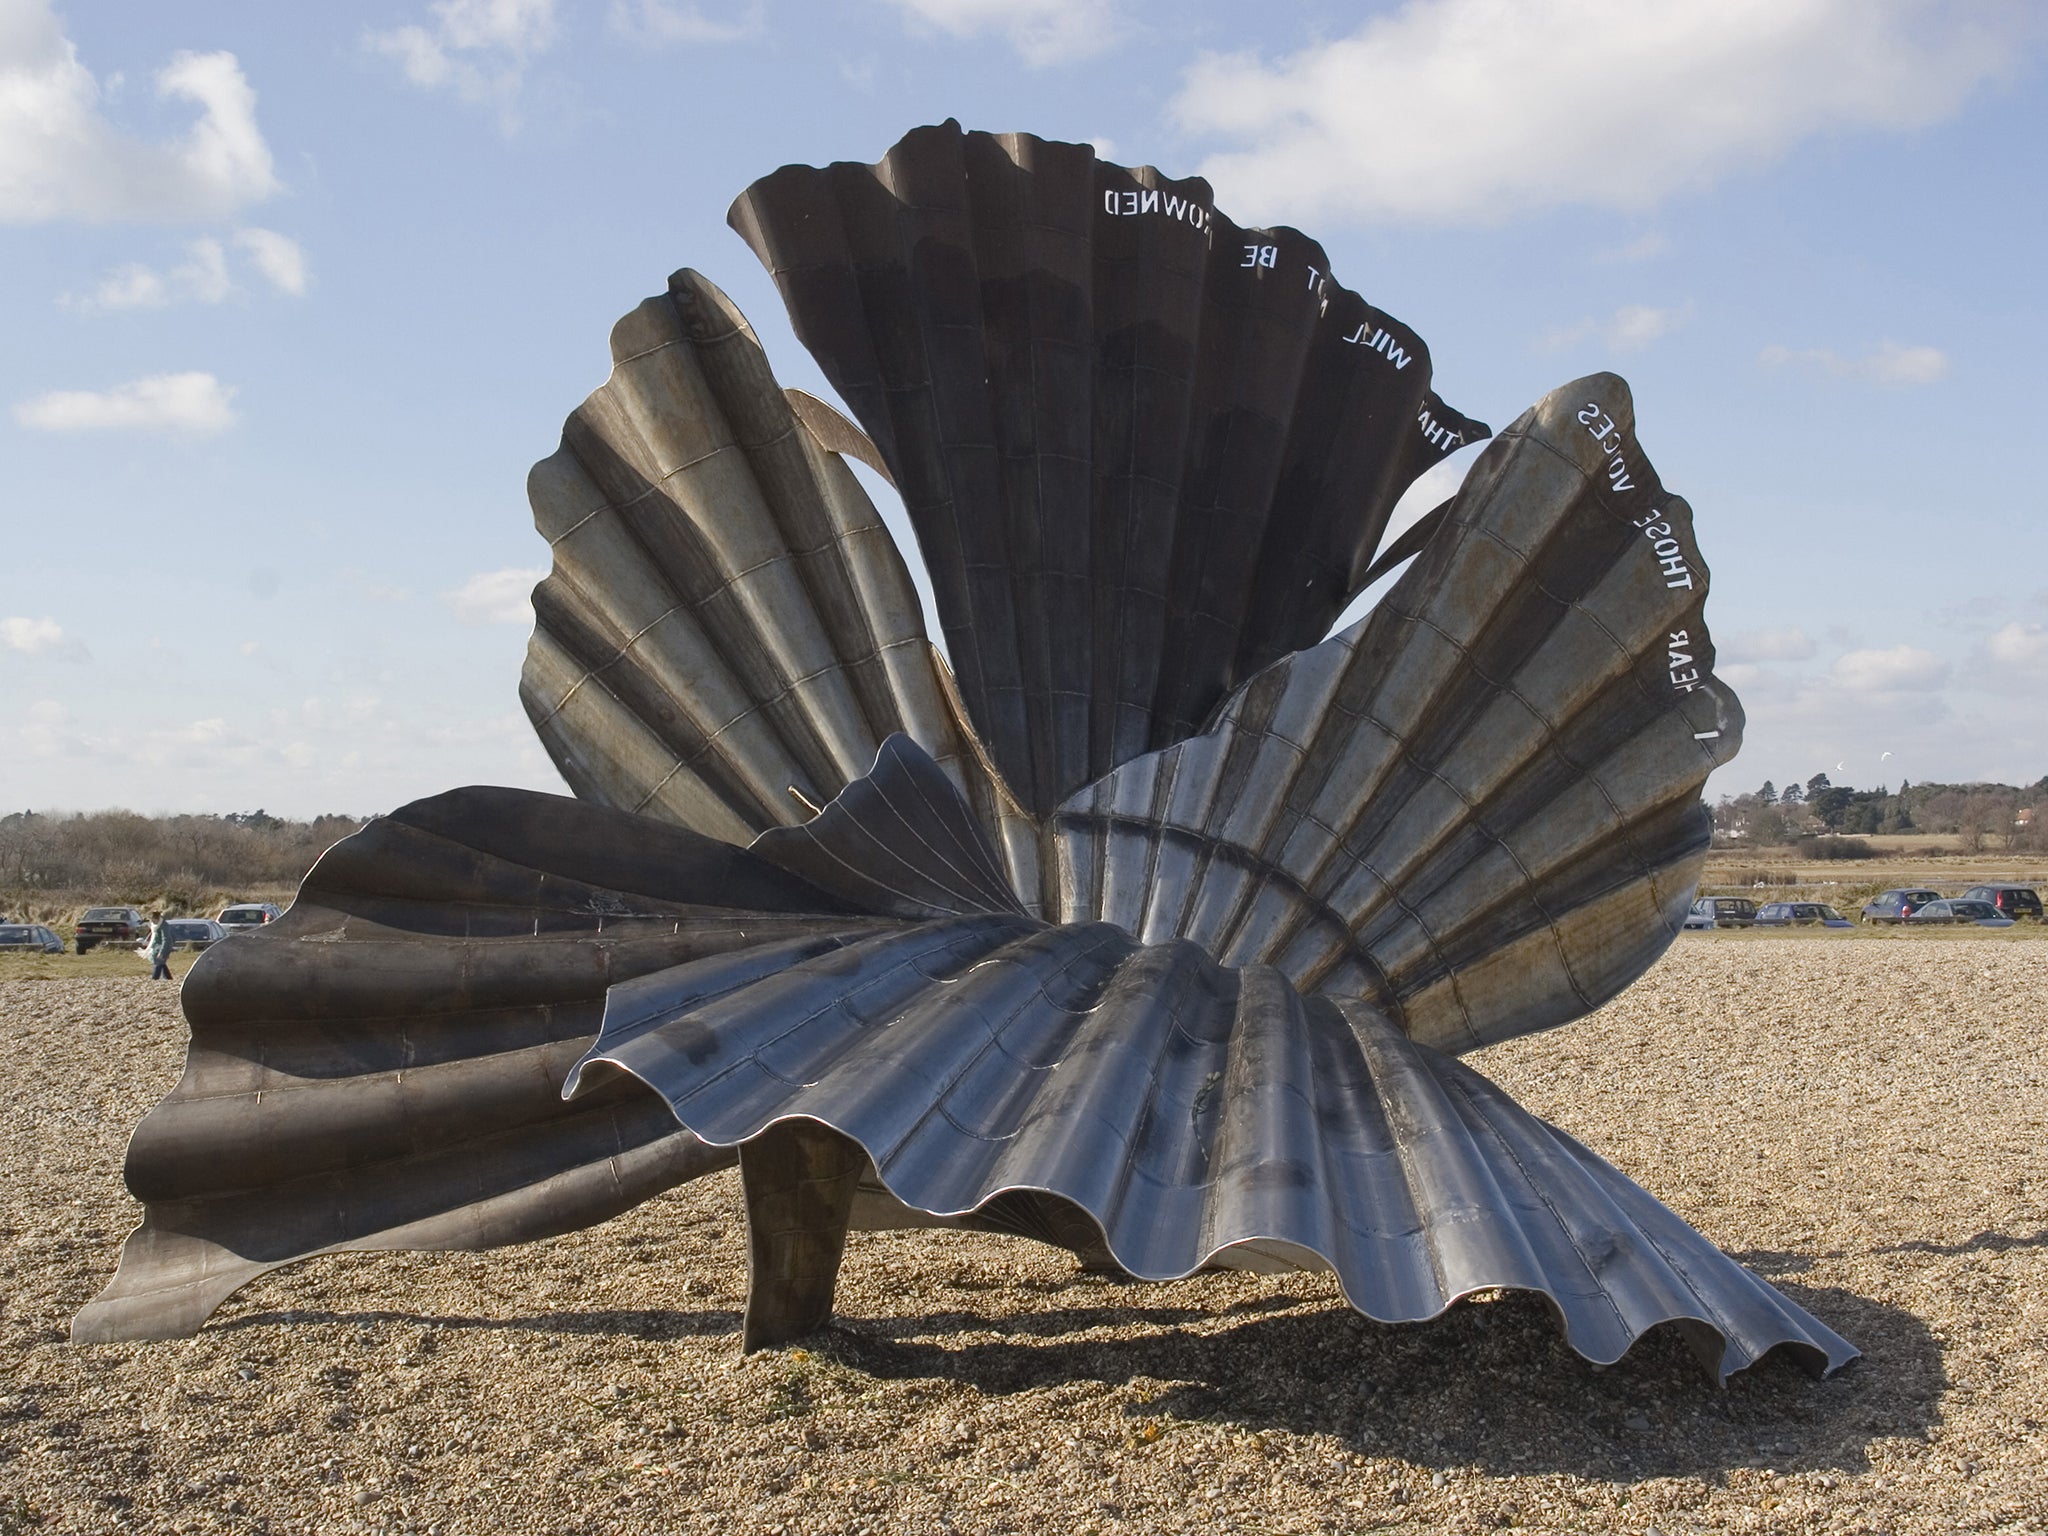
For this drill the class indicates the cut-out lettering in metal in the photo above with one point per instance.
(1152, 926)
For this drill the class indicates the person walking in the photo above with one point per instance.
(159, 948)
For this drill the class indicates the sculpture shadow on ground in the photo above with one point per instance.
(1983, 1242)
(1298, 1360)
(1499, 1369)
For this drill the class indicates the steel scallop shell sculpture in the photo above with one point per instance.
(1151, 926)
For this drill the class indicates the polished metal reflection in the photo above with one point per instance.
(1145, 451)
(1193, 1113)
(728, 632)
(1480, 805)
(1154, 936)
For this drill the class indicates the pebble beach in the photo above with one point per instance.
(1859, 1119)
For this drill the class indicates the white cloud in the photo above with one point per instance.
(340, 750)
(1898, 669)
(281, 259)
(200, 747)
(2019, 645)
(164, 402)
(133, 286)
(495, 597)
(195, 733)
(665, 22)
(1629, 329)
(30, 635)
(1889, 363)
(517, 26)
(202, 278)
(1784, 643)
(424, 61)
(1975, 725)
(512, 726)
(478, 49)
(1041, 31)
(61, 158)
(1478, 111)
(1637, 325)
(355, 711)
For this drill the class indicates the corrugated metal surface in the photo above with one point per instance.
(1193, 1112)
(900, 841)
(1149, 455)
(727, 625)
(382, 1068)
(1479, 806)
(1145, 451)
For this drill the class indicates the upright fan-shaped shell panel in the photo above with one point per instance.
(1146, 452)
(728, 633)
(1480, 805)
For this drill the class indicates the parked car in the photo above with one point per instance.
(1721, 912)
(244, 915)
(2014, 901)
(1961, 910)
(1799, 914)
(1897, 906)
(194, 932)
(30, 938)
(110, 925)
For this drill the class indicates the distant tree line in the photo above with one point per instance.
(1999, 816)
(121, 856)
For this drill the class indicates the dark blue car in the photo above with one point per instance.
(29, 938)
(1799, 914)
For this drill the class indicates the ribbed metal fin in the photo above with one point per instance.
(728, 632)
(1409, 544)
(899, 841)
(1479, 807)
(1195, 1115)
(382, 1068)
(833, 432)
(1145, 451)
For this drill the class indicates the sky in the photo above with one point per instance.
(291, 297)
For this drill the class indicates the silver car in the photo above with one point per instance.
(1722, 912)
(1960, 910)
(194, 932)
(244, 915)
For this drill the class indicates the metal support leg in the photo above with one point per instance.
(799, 1179)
